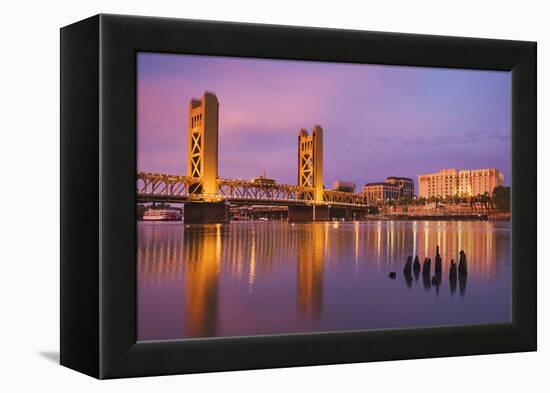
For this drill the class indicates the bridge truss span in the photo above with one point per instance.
(158, 187)
(341, 198)
(157, 184)
(244, 190)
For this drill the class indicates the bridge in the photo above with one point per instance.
(158, 187)
(206, 197)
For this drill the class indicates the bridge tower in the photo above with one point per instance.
(202, 150)
(310, 162)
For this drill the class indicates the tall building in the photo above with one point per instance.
(479, 181)
(405, 185)
(441, 184)
(381, 191)
(451, 182)
(202, 147)
(310, 161)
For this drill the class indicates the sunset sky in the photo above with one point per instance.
(378, 121)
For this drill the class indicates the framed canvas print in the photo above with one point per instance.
(239, 196)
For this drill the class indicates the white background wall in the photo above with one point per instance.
(29, 226)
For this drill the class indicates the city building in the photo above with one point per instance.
(310, 161)
(440, 184)
(479, 181)
(203, 143)
(451, 182)
(381, 191)
(405, 184)
(344, 186)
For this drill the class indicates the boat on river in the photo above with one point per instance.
(162, 215)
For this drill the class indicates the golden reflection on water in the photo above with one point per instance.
(311, 259)
(201, 282)
(199, 257)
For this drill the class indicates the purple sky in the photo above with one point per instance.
(378, 121)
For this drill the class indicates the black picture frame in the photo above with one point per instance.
(98, 168)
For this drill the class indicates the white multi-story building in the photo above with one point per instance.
(451, 182)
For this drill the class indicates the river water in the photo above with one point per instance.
(275, 277)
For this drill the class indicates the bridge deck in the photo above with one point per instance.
(156, 187)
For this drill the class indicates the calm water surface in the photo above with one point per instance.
(247, 278)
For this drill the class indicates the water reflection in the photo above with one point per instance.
(201, 281)
(310, 264)
(408, 279)
(275, 277)
(436, 282)
(426, 281)
(462, 284)
(452, 284)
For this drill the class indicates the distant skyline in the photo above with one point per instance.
(378, 121)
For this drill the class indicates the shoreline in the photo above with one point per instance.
(367, 219)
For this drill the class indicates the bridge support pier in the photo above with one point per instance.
(347, 214)
(206, 213)
(305, 213)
